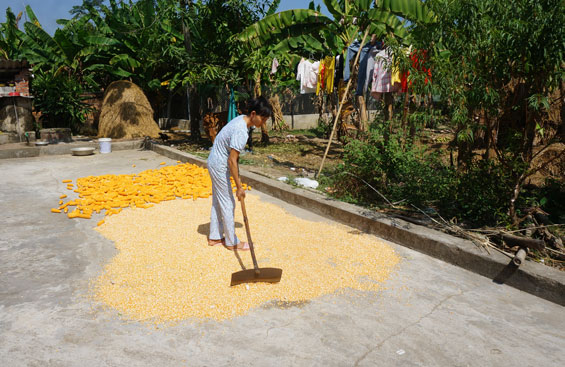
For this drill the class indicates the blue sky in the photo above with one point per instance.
(48, 11)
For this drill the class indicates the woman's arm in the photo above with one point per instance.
(234, 171)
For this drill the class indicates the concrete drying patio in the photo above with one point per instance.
(430, 314)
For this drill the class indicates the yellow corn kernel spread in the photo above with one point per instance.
(165, 271)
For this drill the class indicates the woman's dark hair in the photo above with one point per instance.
(260, 105)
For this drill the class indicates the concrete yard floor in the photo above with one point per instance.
(429, 314)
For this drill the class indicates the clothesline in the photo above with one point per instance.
(377, 70)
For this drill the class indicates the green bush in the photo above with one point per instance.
(398, 171)
(482, 194)
(60, 99)
(403, 172)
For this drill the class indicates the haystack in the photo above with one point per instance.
(126, 113)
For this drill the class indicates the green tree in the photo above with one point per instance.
(79, 10)
(307, 31)
(65, 51)
(163, 46)
(496, 62)
(59, 84)
(213, 58)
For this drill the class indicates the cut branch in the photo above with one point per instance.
(523, 242)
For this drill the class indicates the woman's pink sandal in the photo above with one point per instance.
(242, 246)
(216, 242)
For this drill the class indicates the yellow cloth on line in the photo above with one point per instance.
(395, 74)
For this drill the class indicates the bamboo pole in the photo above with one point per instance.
(342, 102)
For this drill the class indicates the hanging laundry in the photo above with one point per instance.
(382, 75)
(321, 77)
(369, 70)
(367, 57)
(395, 74)
(326, 75)
(232, 110)
(338, 69)
(363, 60)
(404, 81)
(307, 74)
(351, 52)
(274, 65)
(418, 58)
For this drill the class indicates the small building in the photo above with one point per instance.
(16, 116)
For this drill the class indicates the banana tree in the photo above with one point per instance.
(308, 31)
(9, 41)
(135, 40)
(57, 62)
(46, 52)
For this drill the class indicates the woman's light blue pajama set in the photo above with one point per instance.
(232, 136)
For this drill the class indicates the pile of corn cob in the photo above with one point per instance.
(111, 193)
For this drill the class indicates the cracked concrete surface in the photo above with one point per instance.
(428, 314)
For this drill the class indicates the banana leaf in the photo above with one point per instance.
(124, 59)
(101, 41)
(334, 8)
(413, 10)
(390, 21)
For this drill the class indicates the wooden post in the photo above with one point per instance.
(389, 103)
(363, 110)
(341, 104)
(405, 110)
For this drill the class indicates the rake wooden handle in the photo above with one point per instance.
(246, 221)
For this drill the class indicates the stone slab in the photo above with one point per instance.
(22, 150)
(428, 313)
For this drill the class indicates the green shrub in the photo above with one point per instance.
(323, 129)
(482, 194)
(60, 99)
(403, 172)
(398, 171)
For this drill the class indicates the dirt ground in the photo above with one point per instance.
(299, 153)
(295, 153)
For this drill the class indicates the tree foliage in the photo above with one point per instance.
(143, 41)
(498, 61)
(9, 40)
(308, 31)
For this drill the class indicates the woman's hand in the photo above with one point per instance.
(240, 193)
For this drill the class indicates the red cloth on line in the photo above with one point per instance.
(418, 57)
(404, 81)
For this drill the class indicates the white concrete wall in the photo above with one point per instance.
(308, 121)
